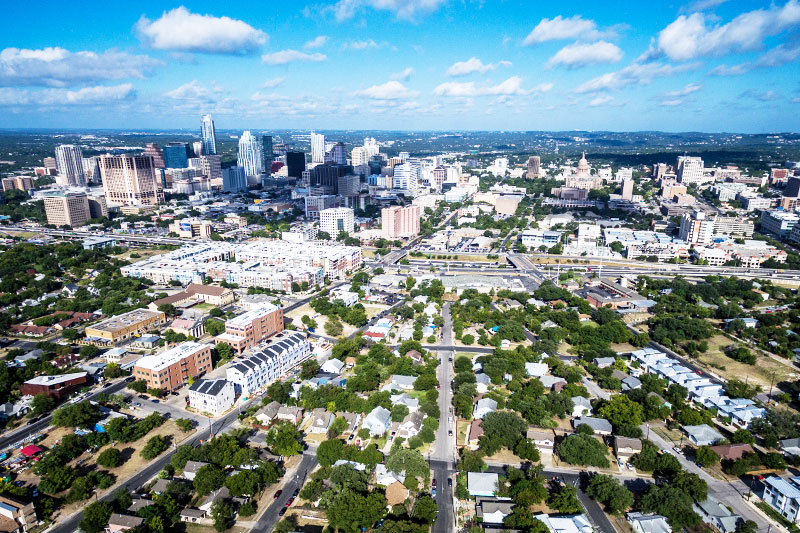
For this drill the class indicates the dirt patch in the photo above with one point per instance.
(761, 373)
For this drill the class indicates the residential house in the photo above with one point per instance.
(492, 511)
(214, 396)
(566, 524)
(403, 382)
(482, 382)
(474, 433)
(783, 496)
(396, 494)
(332, 366)
(717, 515)
(266, 414)
(625, 448)
(352, 419)
(407, 400)
(16, 516)
(553, 383)
(702, 435)
(195, 516)
(290, 414)
(482, 483)
(415, 357)
(122, 522)
(631, 383)
(377, 421)
(544, 440)
(384, 477)
(321, 420)
(536, 370)
(648, 523)
(603, 362)
(791, 446)
(581, 406)
(483, 407)
(601, 426)
(732, 452)
(411, 425)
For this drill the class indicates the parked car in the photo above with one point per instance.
(277, 494)
(449, 482)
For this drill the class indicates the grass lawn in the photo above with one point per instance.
(761, 373)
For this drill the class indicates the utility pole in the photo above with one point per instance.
(771, 382)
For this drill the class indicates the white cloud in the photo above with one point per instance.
(182, 31)
(391, 90)
(775, 57)
(575, 27)
(274, 82)
(192, 90)
(632, 75)
(511, 86)
(101, 94)
(289, 56)
(578, 55)
(58, 67)
(403, 74)
(473, 64)
(402, 9)
(367, 44)
(693, 36)
(673, 102)
(702, 5)
(601, 100)
(317, 42)
(689, 89)
(765, 96)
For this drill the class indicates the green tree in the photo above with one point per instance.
(706, 457)
(184, 424)
(621, 410)
(329, 451)
(565, 500)
(222, 512)
(208, 479)
(95, 517)
(425, 509)
(82, 414)
(610, 492)
(691, 484)
(110, 458)
(154, 447)
(583, 450)
(350, 511)
(285, 440)
(214, 327)
(671, 502)
(42, 404)
(309, 369)
(113, 371)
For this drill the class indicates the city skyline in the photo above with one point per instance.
(708, 65)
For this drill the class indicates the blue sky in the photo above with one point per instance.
(706, 65)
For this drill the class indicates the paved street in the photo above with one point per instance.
(443, 457)
(293, 481)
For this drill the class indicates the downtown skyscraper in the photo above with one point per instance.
(69, 162)
(317, 148)
(209, 135)
(249, 157)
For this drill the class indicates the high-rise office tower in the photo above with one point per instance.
(69, 162)
(249, 157)
(234, 180)
(348, 185)
(176, 155)
(358, 156)
(406, 176)
(130, 180)
(197, 149)
(295, 164)
(689, 169)
(696, 228)
(154, 151)
(209, 166)
(337, 154)
(267, 153)
(67, 209)
(792, 189)
(209, 135)
(317, 148)
(627, 188)
(336, 219)
(371, 147)
(534, 167)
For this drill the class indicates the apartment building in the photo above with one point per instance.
(172, 369)
(733, 226)
(247, 330)
(779, 223)
(20, 183)
(336, 219)
(67, 209)
(783, 496)
(213, 396)
(16, 516)
(269, 362)
(696, 228)
(191, 228)
(121, 327)
(398, 222)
